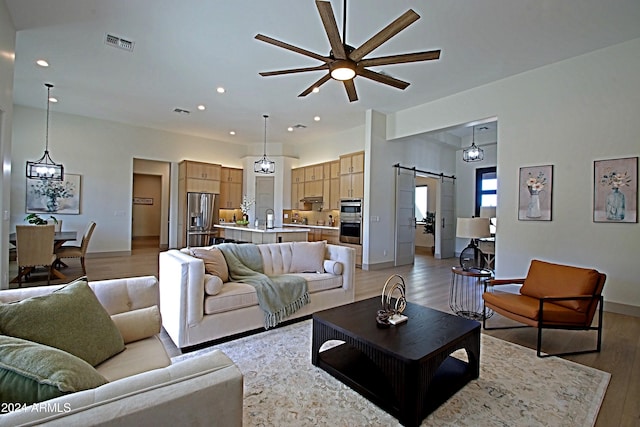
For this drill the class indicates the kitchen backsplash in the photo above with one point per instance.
(312, 217)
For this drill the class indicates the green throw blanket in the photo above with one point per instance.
(278, 296)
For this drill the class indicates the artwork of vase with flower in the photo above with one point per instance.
(535, 184)
(615, 202)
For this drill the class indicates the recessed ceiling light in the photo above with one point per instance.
(316, 118)
(233, 132)
(52, 99)
(201, 107)
(315, 90)
(42, 63)
(220, 90)
(290, 129)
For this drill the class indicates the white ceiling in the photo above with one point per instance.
(185, 49)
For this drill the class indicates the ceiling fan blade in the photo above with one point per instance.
(319, 83)
(408, 18)
(401, 59)
(292, 48)
(350, 87)
(294, 70)
(331, 28)
(381, 78)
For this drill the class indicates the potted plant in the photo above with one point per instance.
(35, 219)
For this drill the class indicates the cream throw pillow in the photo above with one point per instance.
(138, 324)
(333, 267)
(212, 284)
(307, 257)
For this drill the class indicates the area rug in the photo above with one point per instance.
(283, 388)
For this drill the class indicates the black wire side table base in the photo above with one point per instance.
(465, 295)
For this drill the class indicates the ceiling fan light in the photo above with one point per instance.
(343, 70)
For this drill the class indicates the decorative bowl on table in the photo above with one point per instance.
(242, 222)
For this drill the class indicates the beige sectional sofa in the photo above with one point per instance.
(192, 316)
(143, 387)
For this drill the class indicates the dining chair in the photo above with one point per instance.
(34, 247)
(77, 251)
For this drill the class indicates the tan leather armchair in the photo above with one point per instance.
(552, 296)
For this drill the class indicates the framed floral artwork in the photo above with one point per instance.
(615, 190)
(534, 201)
(49, 196)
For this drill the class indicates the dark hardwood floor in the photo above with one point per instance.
(428, 281)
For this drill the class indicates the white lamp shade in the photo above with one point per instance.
(487, 211)
(473, 228)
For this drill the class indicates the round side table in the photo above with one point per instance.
(465, 297)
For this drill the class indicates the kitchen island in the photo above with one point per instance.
(259, 235)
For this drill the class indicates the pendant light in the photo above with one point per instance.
(264, 165)
(45, 167)
(473, 153)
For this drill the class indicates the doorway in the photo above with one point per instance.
(150, 204)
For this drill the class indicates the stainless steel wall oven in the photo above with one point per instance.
(351, 221)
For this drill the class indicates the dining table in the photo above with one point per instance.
(59, 238)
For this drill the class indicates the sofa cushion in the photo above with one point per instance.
(140, 356)
(70, 318)
(138, 324)
(214, 262)
(212, 284)
(545, 279)
(234, 295)
(308, 257)
(32, 372)
(318, 282)
(333, 267)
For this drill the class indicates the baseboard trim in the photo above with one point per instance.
(615, 307)
(378, 266)
(108, 254)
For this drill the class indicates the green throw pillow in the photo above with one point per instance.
(71, 319)
(32, 372)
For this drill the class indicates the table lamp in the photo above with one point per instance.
(489, 212)
(472, 228)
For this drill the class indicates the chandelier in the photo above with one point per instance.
(473, 153)
(264, 165)
(45, 167)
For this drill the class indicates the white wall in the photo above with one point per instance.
(7, 55)
(102, 152)
(567, 114)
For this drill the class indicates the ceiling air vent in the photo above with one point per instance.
(181, 111)
(119, 42)
(299, 126)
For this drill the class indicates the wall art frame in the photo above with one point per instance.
(615, 190)
(54, 197)
(535, 192)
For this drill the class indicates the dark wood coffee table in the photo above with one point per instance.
(406, 369)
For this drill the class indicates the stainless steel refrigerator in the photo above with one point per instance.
(202, 214)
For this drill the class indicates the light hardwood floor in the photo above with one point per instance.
(428, 282)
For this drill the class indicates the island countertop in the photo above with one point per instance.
(260, 229)
(324, 227)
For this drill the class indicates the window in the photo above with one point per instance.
(486, 188)
(421, 202)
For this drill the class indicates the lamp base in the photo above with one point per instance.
(471, 257)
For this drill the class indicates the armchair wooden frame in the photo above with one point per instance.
(595, 302)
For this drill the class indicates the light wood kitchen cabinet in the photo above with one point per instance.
(297, 187)
(200, 177)
(352, 175)
(331, 185)
(313, 182)
(331, 236)
(230, 188)
(315, 235)
(314, 172)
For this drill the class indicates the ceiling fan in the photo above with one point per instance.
(345, 62)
